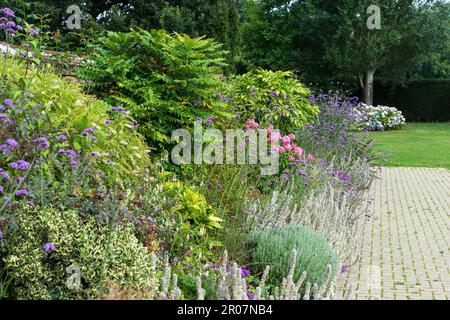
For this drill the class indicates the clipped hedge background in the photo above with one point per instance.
(421, 100)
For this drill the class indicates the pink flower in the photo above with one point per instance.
(291, 158)
(299, 152)
(275, 137)
(292, 136)
(288, 147)
(286, 140)
(270, 129)
(281, 150)
(310, 157)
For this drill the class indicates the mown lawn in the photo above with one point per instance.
(416, 145)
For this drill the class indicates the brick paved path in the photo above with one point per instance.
(405, 251)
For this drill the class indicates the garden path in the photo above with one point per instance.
(405, 250)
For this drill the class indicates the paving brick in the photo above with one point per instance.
(408, 236)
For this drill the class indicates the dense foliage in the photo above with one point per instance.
(80, 189)
(47, 241)
(275, 98)
(421, 100)
(166, 81)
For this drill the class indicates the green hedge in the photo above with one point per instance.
(424, 100)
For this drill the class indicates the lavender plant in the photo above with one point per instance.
(334, 132)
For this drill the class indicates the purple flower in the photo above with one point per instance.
(10, 24)
(94, 138)
(22, 192)
(20, 165)
(273, 94)
(214, 266)
(88, 131)
(107, 122)
(30, 203)
(71, 154)
(10, 144)
(344, 269)
(20, 179)
(1, 234)
(8, 102)
(4, 175)
(62, 137)
(209, 121)
(223, 98)
(121, 109)
(8, 12)
(42, 143)
(250, 296)
(49, 247)
(33, 32)
(245, 272)
(13, 144)
(2, 108)
(1, 190)
(73, 163)
(94, 154)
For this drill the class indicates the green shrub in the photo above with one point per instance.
(86, 244)
(195, 224)
(166, 80)
(274, 247)
(271, 98)
(47, 106)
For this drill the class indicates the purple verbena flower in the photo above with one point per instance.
(33, 32)
(8, 12)
(62, 137)
(20, 165)
(42, 143)
(245, 272)
(4, 175)
(121, 109)
(88, 131)
(209, 121)
(22, 192)
(49, 247)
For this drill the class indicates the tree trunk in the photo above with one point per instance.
(368, 87)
